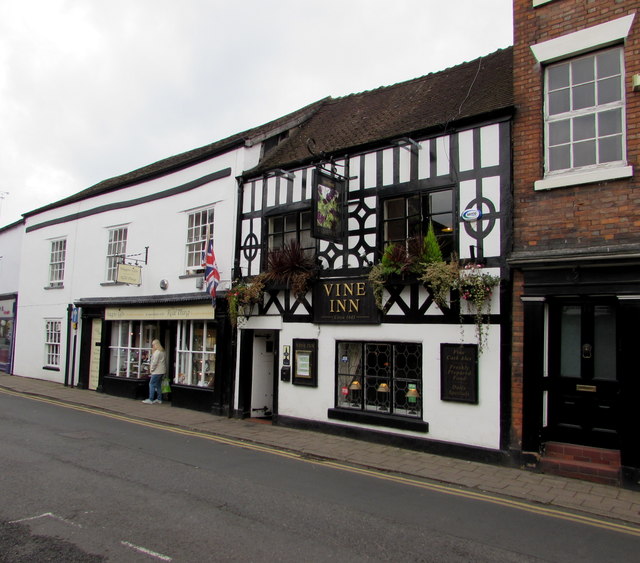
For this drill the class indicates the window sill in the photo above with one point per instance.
(374, 419)
(50, 368)
(590, 177)
(191, 275)
(110, 283)
(47, 287)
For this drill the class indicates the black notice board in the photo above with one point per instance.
(459, 373)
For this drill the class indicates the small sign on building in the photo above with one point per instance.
(129, 274)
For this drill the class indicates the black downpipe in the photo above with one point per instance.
(68, 352)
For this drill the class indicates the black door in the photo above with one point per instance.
(583, 388)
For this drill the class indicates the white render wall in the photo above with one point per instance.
(458, 423)
(159, 224)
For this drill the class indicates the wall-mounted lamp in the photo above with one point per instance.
(404, 141)
(280, 172)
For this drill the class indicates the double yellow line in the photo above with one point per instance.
(551, 512)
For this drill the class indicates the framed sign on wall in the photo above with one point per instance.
(305, 362)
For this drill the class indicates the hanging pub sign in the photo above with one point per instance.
(344, 300)
(327, 206)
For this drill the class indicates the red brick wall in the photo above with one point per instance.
(591, 215)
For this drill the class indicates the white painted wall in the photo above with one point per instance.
(160, 224)
(457, 423)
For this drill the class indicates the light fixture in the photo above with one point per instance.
(412, 394)
(355, 385)
(383, 388)
(280, 172)
(447, 230)
(404, 141)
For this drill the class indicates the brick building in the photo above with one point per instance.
(576, 246)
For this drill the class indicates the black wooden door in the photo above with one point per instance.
(583, 388)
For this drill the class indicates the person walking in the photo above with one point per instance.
(158, 369)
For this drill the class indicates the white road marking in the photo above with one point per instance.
(147, 551)
(47, 515)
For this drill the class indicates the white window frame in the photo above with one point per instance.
(572, 116)
(196, 346)
(130, 348)
(57, 259)
(573, 45)
(116, 249)
(200, 225)
(52, 342)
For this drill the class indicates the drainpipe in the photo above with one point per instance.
(68, 352)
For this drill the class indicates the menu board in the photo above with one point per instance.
(459, 373)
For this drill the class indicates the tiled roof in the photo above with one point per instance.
(328, 126)
(471, 89)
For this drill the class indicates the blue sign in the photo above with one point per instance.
(471, 214)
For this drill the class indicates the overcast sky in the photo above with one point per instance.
(91, 89)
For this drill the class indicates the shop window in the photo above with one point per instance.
(130, 348)
(52, 343)
(381, 377)
(6, 340)
(199, 229)
(56, 262)
(116, 250)
(196, 353)
(409, 216)
(288, 228)
(584, 112)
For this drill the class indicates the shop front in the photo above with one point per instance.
(7, 323)
(195, 343)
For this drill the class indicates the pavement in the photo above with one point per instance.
(578, 496)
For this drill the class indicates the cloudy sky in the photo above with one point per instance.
(91, 89)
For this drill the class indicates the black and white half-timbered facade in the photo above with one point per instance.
(366, 173)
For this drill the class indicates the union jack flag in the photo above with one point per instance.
(211, 273)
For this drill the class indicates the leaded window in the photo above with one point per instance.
(584, 112)
(56, 262)
(199, 229)
(380, 377)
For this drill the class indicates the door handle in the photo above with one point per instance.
(587, 350)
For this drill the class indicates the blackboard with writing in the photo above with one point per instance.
(459, 373)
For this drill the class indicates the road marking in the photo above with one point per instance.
(553, 512)
(146, 551)
(46, 515)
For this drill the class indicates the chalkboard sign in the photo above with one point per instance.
(459, 373)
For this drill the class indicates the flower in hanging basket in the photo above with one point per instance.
(242, 297)
(475, 286)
